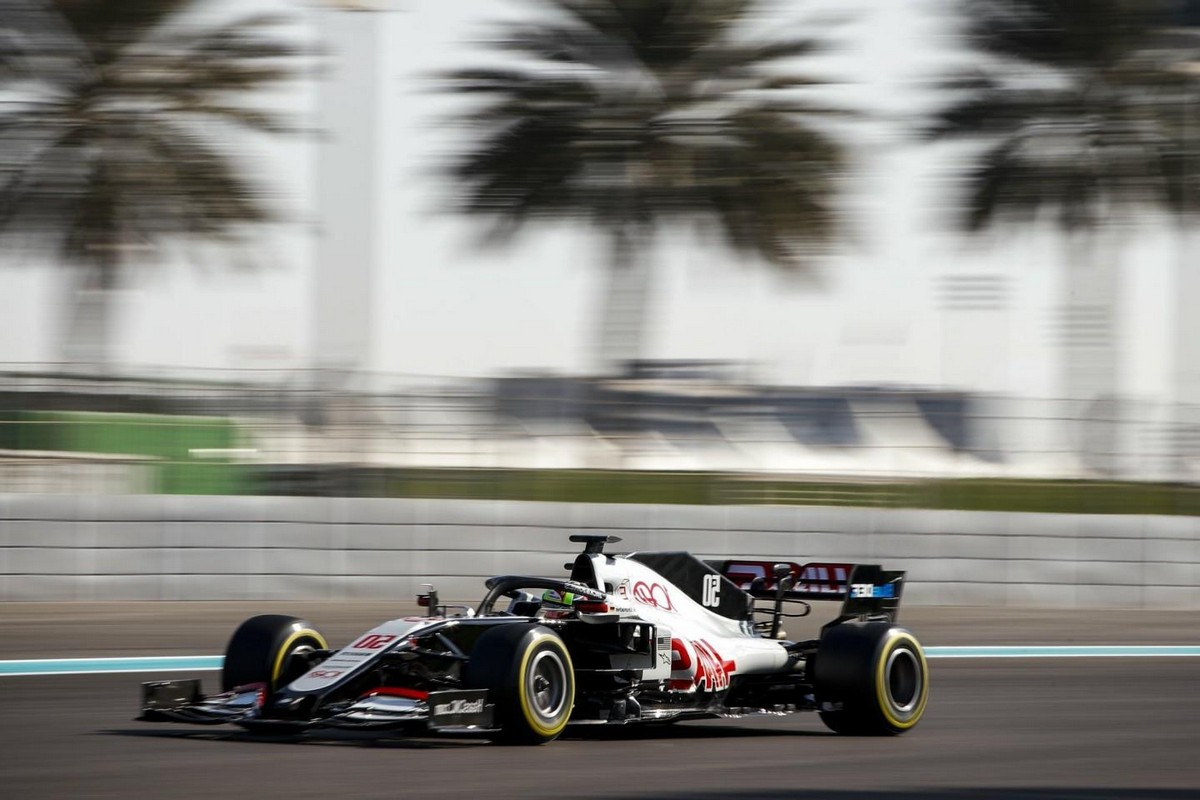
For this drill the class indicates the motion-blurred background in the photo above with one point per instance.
(931, 254)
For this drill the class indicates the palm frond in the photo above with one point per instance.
(661, 34)
(775, 186)
(496, 81)
(736, 59)
(12, 53)
(40, 194)
(105, 27)
(247, 44)
(201, 77)
(175, 182)
(1081, 121)
(522, 173)
(239, 37)
(111, 156)
(1076, 34)
(184, 105)
(996, 111)
(565, 44)
(633, 112)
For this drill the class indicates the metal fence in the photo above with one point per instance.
(289, 430)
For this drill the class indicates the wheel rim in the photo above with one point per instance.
(902, 675)
(546, 685)
(288, 671)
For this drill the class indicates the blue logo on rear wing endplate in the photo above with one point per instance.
(872, 590)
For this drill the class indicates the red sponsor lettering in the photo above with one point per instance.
(712, 671)
(708, 671)
(824, 578)
(653, 594)
(373, 641)
(681, 662)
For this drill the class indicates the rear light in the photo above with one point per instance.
(591, 608)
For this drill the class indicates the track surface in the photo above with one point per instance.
(1072, 728)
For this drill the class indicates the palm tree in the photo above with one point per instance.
(106, 145)
(1079, 113)
(634, 115)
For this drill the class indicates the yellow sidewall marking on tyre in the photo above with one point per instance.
(881, 689)
(569, 701)
(281, 654)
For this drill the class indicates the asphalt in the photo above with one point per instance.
(1080, 728)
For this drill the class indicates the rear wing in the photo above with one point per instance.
(864, 589)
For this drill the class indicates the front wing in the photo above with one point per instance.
(386, 708)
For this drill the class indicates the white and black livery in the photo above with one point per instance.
(634, 638)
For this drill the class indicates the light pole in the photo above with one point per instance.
(347, 188)
(348, 192)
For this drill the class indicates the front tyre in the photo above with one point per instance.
(269, 649)
(871, 679)
(529, 678)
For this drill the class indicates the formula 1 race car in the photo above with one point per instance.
(642, 637)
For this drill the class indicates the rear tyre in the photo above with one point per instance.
(529, 679)
(269, 649)
(871, 679)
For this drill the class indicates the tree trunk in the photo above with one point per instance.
(1184, 441)
(1090, 371)
(623, 317)
(87, 331)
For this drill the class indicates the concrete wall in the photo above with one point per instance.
(98, 547)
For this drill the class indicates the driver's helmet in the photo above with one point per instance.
(553, 599)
